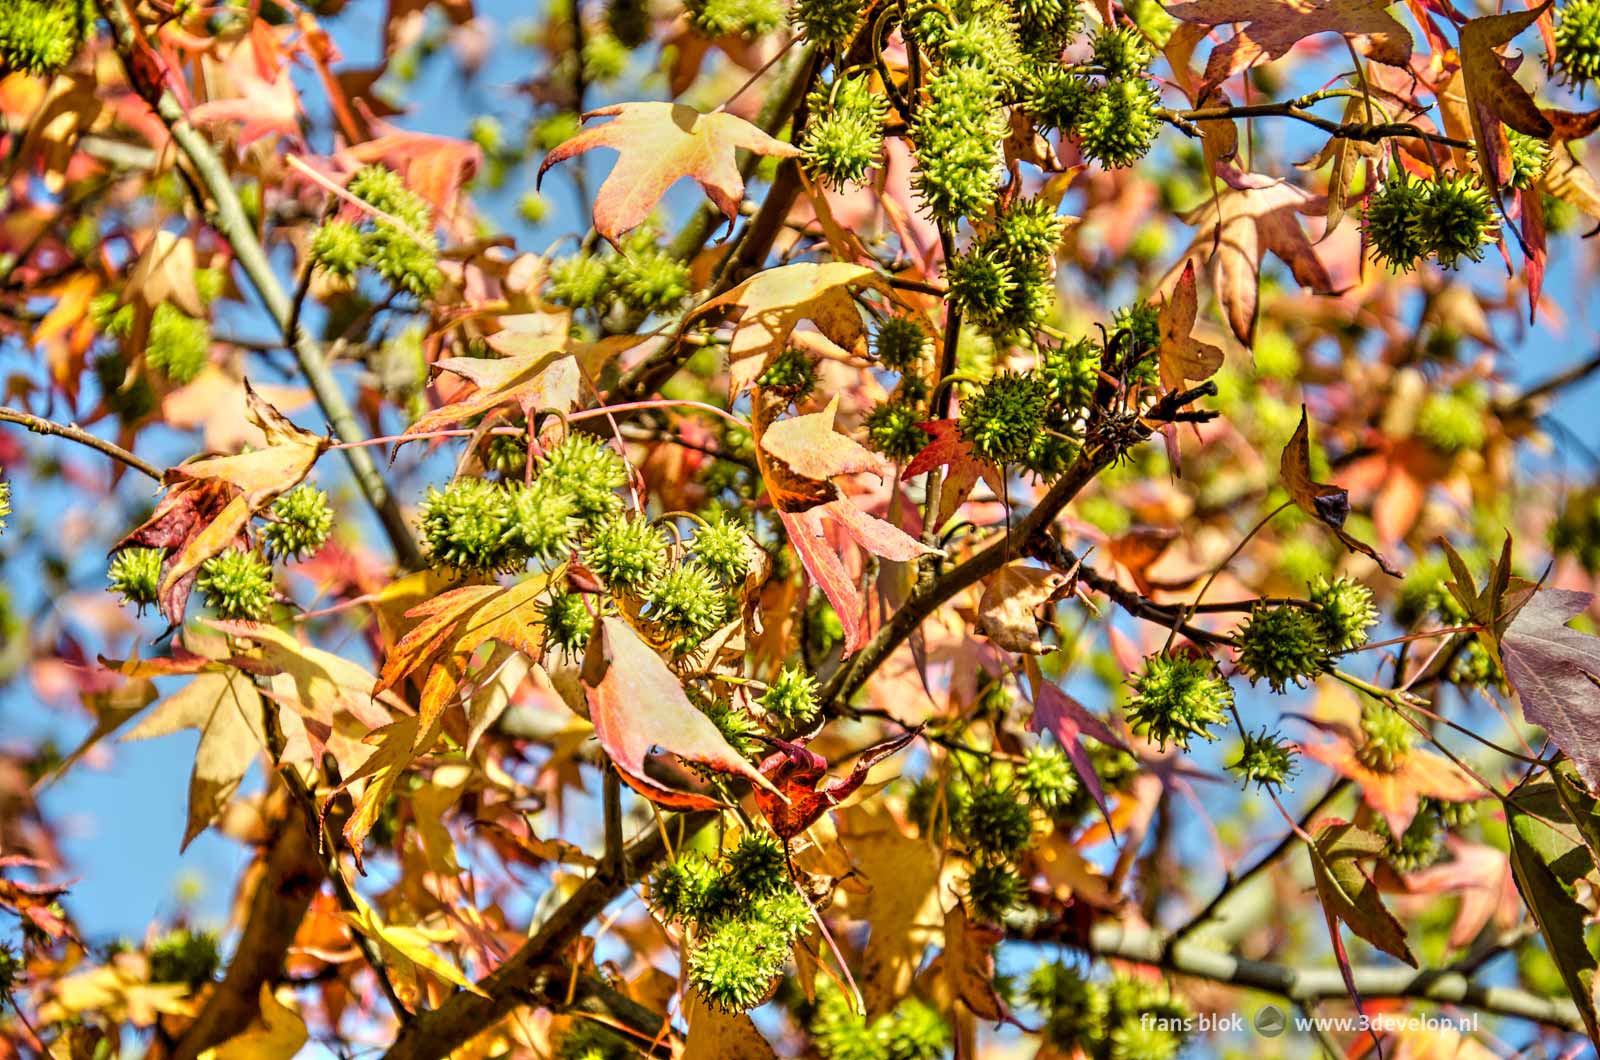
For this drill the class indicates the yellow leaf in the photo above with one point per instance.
(409, 948)
(280, 1034)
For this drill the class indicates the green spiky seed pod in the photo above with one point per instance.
(1136, 332)
(1455, 219)
(543, 520)
(1000, 422)
(581, 281)
(791, 698)
(1119, 124)
(301, 522)
(629, 21)
(723, 548)
(1057, 98)
(792, 373)
(1052, 451)
(236, 584)
(995, 822)
(686, 889)
(11, 968)
(587, 1040)
(829, 24)
(135, 574)
(1420, 845)
(737, 727)
(1453, 421)
(1577, 40)
(1266, 760)
(987, 41)
(627, 554)
(1139, 1040)
(687, 603)
(650, 280)
(605, 58)
(1530, 155)
(465, 526)
(1044, 27)
(40, 37)
(901, 344)
(1075, 1007)
(506, 453)
(1392, 239)
(916, 1031)
(892, 429)
(1345, 610)
(1073, 373)
(724, 18)
(185, 956)
(1283, 645)
(591, 472)
(1132, 997)
(1387, 738)
(1047, 777)
(1178, 696)
(1029, 228)
(1120, 52)
(407, 254)
(756, 867)
(179, 345)
(844, 136)
(957, 135)
(736, 964)
(110, 316)
(979, 283)
(1453, 814)
(993, 890)
(568, 622)
(339, 249)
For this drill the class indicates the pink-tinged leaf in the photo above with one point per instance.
(636, 704)
(1347, 893)
(1555, 671)
(1534, 246)
(657, 144)
(878, 536)
(809, 446)
(1272, 27)
(797, 773)
(1069, 721)
(962, 468)
(826, 570)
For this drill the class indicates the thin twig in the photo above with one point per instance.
(72, 432)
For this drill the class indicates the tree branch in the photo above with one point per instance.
(230, 220)
(1366, 132)
(72, 432)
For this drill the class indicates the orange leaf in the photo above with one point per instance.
(657, 144)
(1493, 95)
(1181, 357)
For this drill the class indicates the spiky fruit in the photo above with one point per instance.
(792, 373)
(1453, 421)
(236, 584)
(791, 699)
(687, 888)
(339, 248)
(1283, 646)
(1057, 98)
(543, 520)
(736, 964)
(1387, 738)
(957, 135)
(980, 283)
(1577, 40)
(1028, 228)
(723, 548)
(829, 24)
(40, 37)
(1075, 1007)
(993, 890)
(179, 345)
(629, 21)
(568, 622)
(1140, 1040)
(844, 135)
(467, 525)
(1073, 372)
(994, 821)
(1000, 422)
(756, 866)
(301, 521)
(893, 430)
(1346, 611)
(580, 280)
(649, 279)
(590, 472)
(1455, 219)
(185, 956)
(1176, 697)
(901, 344)
(1120, 52)
(405, 254)
(1047, 777)
(1386, 220)
(1530, 155)
(627, 554)
(687, 604)
(1420, 845)
(135, 574)
(1119, 123)
(1266, 760)
(722, 18)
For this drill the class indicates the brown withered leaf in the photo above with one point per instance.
(1567, 179)
(1008, 610)
(1346, 157)
(1180, 356)
(536, 380)
(658, 144)
(1272, 27)
(1493, 95)
(1327, 503)
(1250, 217)
(718, 1035)
(1346, 891)
(967, 964)
(636, 704)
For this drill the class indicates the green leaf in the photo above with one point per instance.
(1547, 860)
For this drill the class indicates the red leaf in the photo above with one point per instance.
(797, 800)
(1069, 721)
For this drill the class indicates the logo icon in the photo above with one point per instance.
(1270, 1021)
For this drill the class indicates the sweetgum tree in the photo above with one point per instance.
(1065, 536)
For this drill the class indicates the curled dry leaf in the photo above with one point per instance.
(1007, 612)
(1327, 503)
(1180, 356)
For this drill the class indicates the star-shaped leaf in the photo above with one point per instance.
(1180, 356)
(1272, 27)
